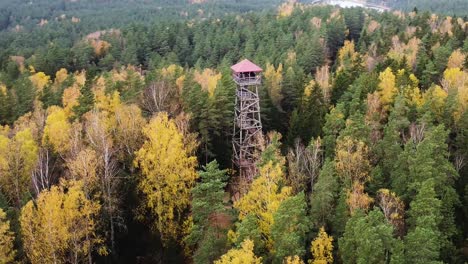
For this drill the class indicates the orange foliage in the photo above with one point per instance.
(357, 198)
(100, 47)
(456, 59)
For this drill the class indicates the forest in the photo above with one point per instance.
(116, 126)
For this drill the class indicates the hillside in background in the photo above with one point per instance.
(447, 7)
(117, 13)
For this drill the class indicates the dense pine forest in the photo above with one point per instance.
(116, 122)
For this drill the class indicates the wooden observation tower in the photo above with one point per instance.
(247, 122)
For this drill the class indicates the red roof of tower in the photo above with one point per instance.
(245, 66)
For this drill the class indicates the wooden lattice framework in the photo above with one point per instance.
(247, 121)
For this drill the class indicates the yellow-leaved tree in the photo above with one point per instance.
(456, 59)
(40, 80)
(84, 166)
(61, 75)
(387, 86)
(208, 80)
(57, 130)
(168, 174)
(264, 198)
(7, 253)
(435, 99)
(293, 260)
(273, 81)
(456, 82)
(18, 157)
(347, 55)
(353, 166)
(322, 248)
(59, 226)
(243, 255)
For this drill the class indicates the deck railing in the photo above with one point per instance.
(256, 80)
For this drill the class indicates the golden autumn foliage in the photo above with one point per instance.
(293, 260)
(454, 78)
(357, 198)
(100, 46)
(264, 198)
(168, 174)
(59, 226)
(243, 255)
(84, 167)
(347, 55)
(351, 160)
(353, 166)
(401, 50)
(273, 81)
(3, 89)
(80, 78)
(309, 88)
(129, 122)
(456, 82)
(322, 248)
(435, 99)
(7, 253)
(456, 59)
(107, 103)
(57, 130)
(71, 94)
(446, 26)
(70, 98)
(208, 80)
(387, 87)
(40, 80)
(61, 75)
(18, 158)
(413, 93)
(286, 9)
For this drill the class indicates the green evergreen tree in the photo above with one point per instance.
(86, 99)
(324, 195)
(423, 241)
(367, 239)
(211, 219)
(334, 123)
(24, 94)
(289, 229)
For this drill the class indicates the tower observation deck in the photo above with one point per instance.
(247, 122)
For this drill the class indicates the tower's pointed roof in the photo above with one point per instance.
(246, 66)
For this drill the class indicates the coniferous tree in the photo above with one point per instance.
(211, 219)
(367, 239)
(292, 216)
(423, 241)
(324, 195)
(86, 99)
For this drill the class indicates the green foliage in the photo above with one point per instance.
(324, 195)
(291, 216)
(367, 239)
(384, 95)
(86, 99)
(424, 240)
(211, 219)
